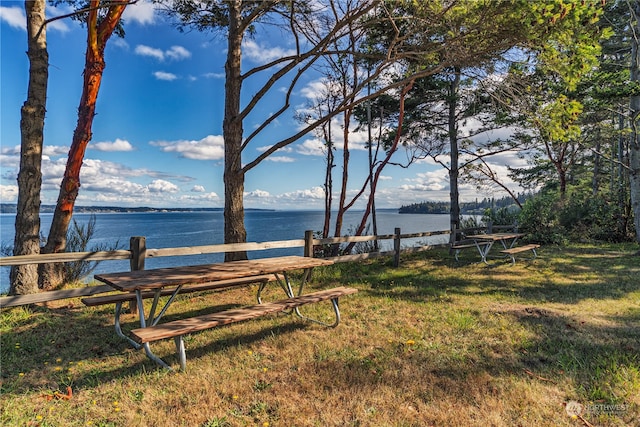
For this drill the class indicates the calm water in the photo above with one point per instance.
(175, 229)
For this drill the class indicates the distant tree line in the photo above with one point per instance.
(478, 207)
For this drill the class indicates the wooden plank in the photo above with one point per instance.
(519, 249)
(222, 284)
(229, 247)
(467, 243)
(64, 257)
(208, 321)
(173, 276)
(53, 295)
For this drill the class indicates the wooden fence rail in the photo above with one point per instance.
(138, 252)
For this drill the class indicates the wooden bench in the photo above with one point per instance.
(119, 299)
(511, 252)
(178, 328)
(465, 244)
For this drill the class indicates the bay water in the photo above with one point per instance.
(178, 229)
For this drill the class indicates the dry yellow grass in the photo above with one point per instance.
(433, 343)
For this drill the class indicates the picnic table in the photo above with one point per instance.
(484, 242)
(171, 282)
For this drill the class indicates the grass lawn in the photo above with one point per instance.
(432, 343)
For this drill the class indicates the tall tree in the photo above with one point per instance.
(101, 22)
(241, 17)
(24, 278)
(634, 144)
(403, 32)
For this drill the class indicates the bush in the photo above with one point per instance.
(539, 219)
(593, 218)
(580, 216)
(502, 216)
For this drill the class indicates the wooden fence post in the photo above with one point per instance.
(308, 243)
(396, 248)
(138, 248)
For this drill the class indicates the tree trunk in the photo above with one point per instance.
(328, 182)
(595, 179)
(375, 176)
(634, 144)
(345, 180)
(97, 37)
(454, 194)
(24, 278)
(234, 229)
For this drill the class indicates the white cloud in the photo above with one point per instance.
(9, 193)
(214, 75)
(47, 151)
(121, 43)
(210, 147)
(117, 145)
(143, 50)
(285, 149)
(175, 53)
(308, 197)
(263, 54)
(143, 12)
(162, 186)
(311, 147)
(281, 159)
(428, 181)
(55, 150)
(385, 178)
(198, 189)
(14, 16)
(200, 198)
(257, 194)
(162, 75)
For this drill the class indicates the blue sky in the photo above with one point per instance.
(157, 137)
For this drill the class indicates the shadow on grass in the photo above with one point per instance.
(591, 363)
(566, 276)
(46, 349)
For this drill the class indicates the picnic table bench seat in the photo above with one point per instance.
(511, 252)
(119, 299)
(178, 328)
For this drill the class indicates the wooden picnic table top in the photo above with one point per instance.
(496, 236)
(174, 276)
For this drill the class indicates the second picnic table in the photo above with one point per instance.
(484, 242)
(158, 280)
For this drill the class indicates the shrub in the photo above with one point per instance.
(539, 219)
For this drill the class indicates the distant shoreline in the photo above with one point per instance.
(12, 208)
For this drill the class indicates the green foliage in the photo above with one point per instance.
(502, 216)
(579, 216)
(558, 120)
(592, 218)
(539, 219)
(477, 208)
